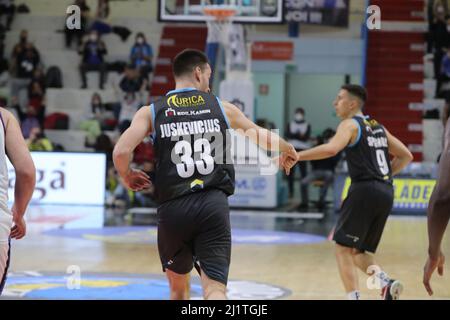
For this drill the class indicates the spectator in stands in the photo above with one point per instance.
(93, 52)
(141, 56)
(26, 59)
(70, 34)
(8, 9)
(103, 144)
(29, 121)
(21, 45)
(131, 81)
(102, 26)
(441, 40)
(129, 105)
(322, 170)
(37, 141)
(298, 133)
(39, 76)
(99, 112)
(36, 100)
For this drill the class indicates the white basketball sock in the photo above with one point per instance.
(354, 295)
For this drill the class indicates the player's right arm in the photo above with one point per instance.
(20, 157)
(402, 155)
(140, 127)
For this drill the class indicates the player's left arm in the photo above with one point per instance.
(346, 131)
(140, 127)
(438, 216)
(402, 155)
(262, 137)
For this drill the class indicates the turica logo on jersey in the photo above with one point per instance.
(193, 101)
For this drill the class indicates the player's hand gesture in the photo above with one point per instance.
(429, 268)
(288, 159)
(19, 229)
(137, 180)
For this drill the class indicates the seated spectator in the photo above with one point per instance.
(129, 106)
(131, 81)
(21, 45)
(39, 76)
(101, 114)
(8, 9)
(101, 25)
(78, 33)
(29, 121)
(37, 141)
(141, 56)
(26, 60)
(36, 99)
(322, 170)
(103, 144)
(93, 58)
(441, 40)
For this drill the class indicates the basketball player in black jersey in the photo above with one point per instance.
(438, 215)
(193, 174)
(364, 212)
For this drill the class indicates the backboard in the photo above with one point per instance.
(247, 11)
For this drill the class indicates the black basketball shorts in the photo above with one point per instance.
(196, 228)
(364, 214)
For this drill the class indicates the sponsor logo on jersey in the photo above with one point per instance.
(197, 184)
(191, 101)
(170, 112)
(371, 123)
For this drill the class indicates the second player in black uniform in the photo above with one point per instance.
(368, 147)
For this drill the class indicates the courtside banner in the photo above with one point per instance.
(66, 178)
(409, 194)
(320, 12)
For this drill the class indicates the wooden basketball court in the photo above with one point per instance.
(304, 270)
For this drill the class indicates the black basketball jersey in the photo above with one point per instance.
(191, 144)
(368, 157)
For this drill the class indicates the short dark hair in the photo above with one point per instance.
(301, 110)
(357, 91)
(187, 60)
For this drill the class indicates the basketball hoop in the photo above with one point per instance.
(219, 21)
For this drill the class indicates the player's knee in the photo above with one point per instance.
(342, 250)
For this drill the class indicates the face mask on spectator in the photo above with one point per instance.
(140, 40)
(298, 117)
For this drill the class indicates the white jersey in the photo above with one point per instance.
(5, 213)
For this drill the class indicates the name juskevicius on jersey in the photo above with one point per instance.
(185, 128)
